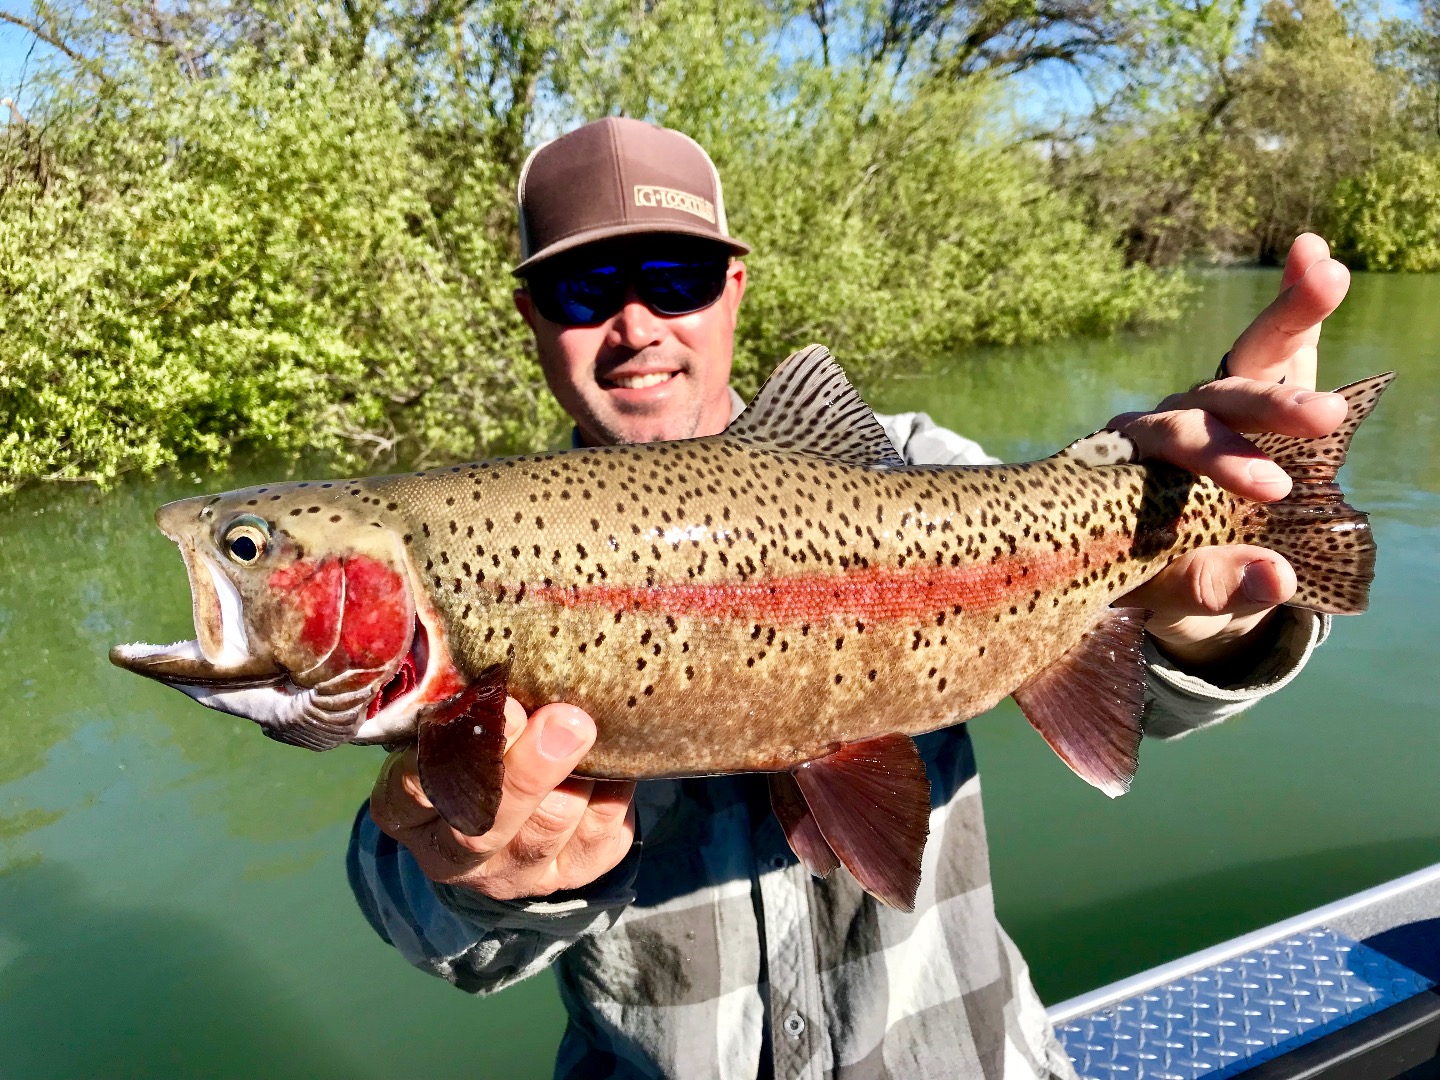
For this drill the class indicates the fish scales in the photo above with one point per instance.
(804, 602)
(787, 597)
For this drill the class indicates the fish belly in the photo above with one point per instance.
(676, 693)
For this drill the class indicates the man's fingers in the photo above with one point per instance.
(609, 812)
(1281, 342)
(569, 822)
(397, 803)
(1250, 406)
(603, 836)
(1236, 580)
(1306, 250)
(581, 830)
(1200, 442)
(554, 741)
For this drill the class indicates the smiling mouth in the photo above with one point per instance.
(639, 382)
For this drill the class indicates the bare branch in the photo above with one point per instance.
(15, 113)
(49, 37)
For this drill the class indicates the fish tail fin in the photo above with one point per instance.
(1325, 540)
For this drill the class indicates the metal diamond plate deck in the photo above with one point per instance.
(1224, 1019)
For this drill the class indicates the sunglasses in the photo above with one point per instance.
(588, 294)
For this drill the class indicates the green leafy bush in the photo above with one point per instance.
(263, 228)
(245, 260)
(1389, 218)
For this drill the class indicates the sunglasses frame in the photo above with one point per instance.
(541, 283)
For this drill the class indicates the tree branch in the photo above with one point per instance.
(48, 37)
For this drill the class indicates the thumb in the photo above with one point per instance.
(1236, 580)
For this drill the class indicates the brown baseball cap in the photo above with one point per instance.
(617, 177)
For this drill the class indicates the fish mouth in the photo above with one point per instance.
(220, 654)
(316, 717)
(347, 708)
(185, 664)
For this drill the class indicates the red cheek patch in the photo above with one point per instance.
(314, 589)
(355, 612)
(378, 623)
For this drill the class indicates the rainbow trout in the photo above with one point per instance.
(788, 597)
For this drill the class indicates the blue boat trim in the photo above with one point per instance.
(1230, 1017)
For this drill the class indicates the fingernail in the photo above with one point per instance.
(1265, 471)
(559, 739)
(1303, 396)
(1257, 583)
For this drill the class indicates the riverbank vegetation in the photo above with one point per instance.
(229, 224)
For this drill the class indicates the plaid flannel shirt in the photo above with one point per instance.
(711, 952)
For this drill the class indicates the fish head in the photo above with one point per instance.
(304, 610)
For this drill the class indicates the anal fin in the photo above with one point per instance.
(1088, 704)
(870, 805)
(462, 752)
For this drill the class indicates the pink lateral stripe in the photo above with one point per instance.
(875, 594)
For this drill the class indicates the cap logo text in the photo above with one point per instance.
(670, 199)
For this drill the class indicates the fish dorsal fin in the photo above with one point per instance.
(808, 404)
(1105, 447)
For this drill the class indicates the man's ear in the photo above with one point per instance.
(524, 305)
(734, 286)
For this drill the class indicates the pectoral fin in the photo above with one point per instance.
(462, 752)
(1088, 704)
(868, 804)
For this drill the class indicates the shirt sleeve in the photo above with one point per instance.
(1177, 701)
(475, 943)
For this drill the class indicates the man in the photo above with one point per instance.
(715, 953)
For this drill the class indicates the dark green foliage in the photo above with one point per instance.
(242, 225)
(1227, 138)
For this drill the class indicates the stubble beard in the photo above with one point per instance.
(667, 427)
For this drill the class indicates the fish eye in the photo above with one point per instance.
(245, 539)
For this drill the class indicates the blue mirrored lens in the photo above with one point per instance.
(677, 288)
(589, 296)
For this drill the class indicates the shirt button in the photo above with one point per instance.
(794, 1025)
(777, 862)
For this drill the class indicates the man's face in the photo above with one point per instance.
(639, 376)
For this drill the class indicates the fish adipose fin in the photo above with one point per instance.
(462, 752)
(1326, 540)
(1088, 704)
(1105, 447)
(808, 405)
(867, 807)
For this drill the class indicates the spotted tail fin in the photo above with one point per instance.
(1326, 540)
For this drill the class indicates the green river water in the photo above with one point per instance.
(172, 892)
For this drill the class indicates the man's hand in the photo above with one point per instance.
(1210, 605)
(552, 831)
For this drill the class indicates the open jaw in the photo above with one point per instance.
(355, 706)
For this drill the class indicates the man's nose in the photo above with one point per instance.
(635, 325)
